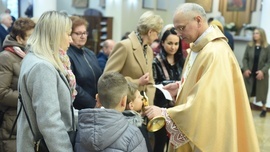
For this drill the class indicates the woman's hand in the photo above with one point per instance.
(143, 80)
(259, 75)
(247, 73)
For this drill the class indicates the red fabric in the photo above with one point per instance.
(10, 49)
(185, 46)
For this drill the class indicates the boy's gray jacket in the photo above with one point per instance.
(107, 130)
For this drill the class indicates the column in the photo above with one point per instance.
(265, 25)
(265, 18)
(41, 6)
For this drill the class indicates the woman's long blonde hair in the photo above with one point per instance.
(45, 40)
(263, 40)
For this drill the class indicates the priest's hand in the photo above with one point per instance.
(152, 111)
(172, 88)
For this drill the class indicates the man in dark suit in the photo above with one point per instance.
(6, 22)
(103, 55)
(8, 11)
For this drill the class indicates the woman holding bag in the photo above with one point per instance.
(45, 86)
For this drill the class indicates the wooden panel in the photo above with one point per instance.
(105, 30)
(93, 22)
(240, 16)
(80, 3)
(100, 29)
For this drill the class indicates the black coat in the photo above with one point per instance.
(85, 67)
(174, 72)
(230, 39)
(3, 34)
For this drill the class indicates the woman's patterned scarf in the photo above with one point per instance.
(68, 72)
(143, 46)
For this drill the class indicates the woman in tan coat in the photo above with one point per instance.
(10, 65)
(256, 62)
(133, 56)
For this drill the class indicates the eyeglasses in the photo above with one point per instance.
(181, 28)
(81, 34)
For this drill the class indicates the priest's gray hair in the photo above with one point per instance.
(190, 9)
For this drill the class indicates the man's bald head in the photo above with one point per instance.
(6, 19)
(108, 46)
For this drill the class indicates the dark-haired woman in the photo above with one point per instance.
(167, 68)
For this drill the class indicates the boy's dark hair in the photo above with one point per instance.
(112, 87)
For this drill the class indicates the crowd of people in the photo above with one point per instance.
(59, 80)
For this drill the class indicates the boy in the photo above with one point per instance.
(134, 105)
(106, 129)
(133, 110)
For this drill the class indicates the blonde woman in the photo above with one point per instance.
(256, 62)
(133, 56)
(44, 88)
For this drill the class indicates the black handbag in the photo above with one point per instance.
(40, 144)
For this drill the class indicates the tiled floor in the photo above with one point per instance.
(262, 126)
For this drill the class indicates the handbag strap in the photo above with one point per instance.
(15, 122)
(163, 67)
(73, 117)
(28, 120)
(71, 107)
(22, 105)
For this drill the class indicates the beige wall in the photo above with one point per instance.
(126, 13)
(2, 6)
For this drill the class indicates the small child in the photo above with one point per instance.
(106, 129)
(133, 109)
